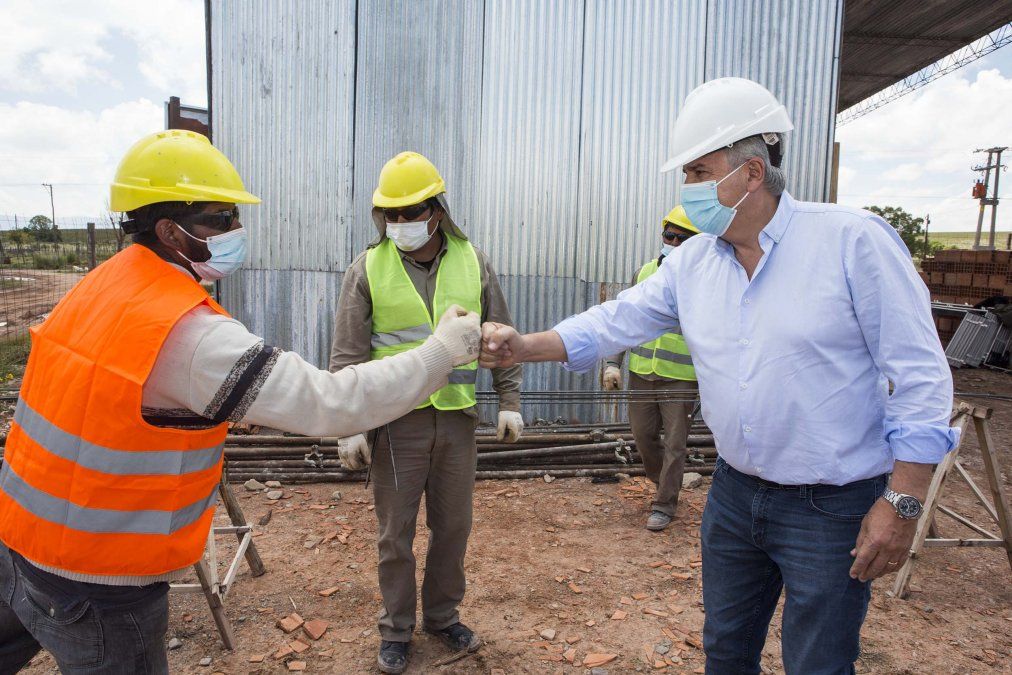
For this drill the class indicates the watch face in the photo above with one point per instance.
(908, 507)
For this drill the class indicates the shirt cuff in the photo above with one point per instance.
(581, 348)
(921, 443)
(437, 359)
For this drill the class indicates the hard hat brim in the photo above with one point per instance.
(383, 201)
(126, 197)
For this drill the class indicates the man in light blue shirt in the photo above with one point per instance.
(799, 316)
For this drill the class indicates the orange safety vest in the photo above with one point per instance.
(87, 486)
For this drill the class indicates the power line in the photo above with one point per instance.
(877, 196)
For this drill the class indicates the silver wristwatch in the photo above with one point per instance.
(907, 507)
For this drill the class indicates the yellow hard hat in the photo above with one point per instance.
(175, 166)
(407, 179)
(678, 218)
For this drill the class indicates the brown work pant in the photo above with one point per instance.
(434, 453)
(663, 460)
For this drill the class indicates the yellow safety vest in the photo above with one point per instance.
(668, 355)
(400, 320)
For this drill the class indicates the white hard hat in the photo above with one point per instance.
(718, 113)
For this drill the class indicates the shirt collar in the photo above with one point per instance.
(774, 230)
(777, 226)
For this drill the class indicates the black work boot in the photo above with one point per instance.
(458, 637)
(393, 657)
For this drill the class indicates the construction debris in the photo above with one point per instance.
(291, 622)
(691, 480)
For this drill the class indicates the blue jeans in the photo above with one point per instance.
(88, 628)
(758, 537)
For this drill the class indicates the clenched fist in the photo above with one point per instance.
(501, 346)
(460, 332)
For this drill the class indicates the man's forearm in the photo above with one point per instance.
(544, 346)
(912, 479)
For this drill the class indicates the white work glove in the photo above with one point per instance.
(354, 452)
(511, 425)
(460, 332)
(612, 378)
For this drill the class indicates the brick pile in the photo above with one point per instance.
(965, 277)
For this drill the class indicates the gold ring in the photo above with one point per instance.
(892, 564)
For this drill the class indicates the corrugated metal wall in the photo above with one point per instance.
(549, 120)
(283, 93)
(793, 48)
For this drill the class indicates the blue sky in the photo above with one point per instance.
(80, 81)
(916, 152)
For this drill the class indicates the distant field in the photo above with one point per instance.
(965, 239)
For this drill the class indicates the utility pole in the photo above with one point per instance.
(993, 162)
(927, 224)
(52, 209)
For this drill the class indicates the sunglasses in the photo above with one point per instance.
(671, 236)
(221, 221)
(408, 212)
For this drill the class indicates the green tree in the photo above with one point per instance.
(910, 229)
(41, 228)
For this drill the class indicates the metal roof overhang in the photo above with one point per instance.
(885, 41)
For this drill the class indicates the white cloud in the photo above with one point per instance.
(75, 150)
(916, 152)
(906, 173)
(63, 45)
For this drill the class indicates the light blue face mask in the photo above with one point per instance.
(228, 253)
(666, 249)
(704, 208)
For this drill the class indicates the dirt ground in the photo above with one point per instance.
(27, 296)
(563, 570)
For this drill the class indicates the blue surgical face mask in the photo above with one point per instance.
(228, 253)
(704, 208)
(666, 249)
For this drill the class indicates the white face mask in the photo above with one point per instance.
(409, 236)
(228, 253)
(666, 249)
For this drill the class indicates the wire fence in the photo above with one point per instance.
(39, 263)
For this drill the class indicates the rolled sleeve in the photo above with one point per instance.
(637, 315)
(894, 311)
(920, 443)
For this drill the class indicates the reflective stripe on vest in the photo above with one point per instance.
(88, 487)
(667, 356)
(100, 521)
(401, 321)
(108, 460)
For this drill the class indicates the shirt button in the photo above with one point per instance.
(748, 301)
(743, 341)
(748, 429)
(743, 385)
(759, 469)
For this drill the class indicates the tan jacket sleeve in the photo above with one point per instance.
(210, 364)
(505, 381)
(353, 325)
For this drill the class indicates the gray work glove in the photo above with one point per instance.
(612, 378)
(460, 332)
(354, 452)
(511, 425)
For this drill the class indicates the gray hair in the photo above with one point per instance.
(754, 146)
